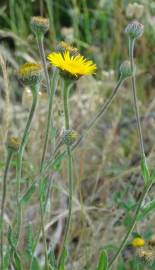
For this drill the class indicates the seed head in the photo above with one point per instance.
(138, 242)
(39, 25)
(69, 137)
(30, 74)
(13, 144)
(125, 70)
(134, 30)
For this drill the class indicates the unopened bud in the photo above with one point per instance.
(69, 137)
(125, 70)
(134, 30)
(39, 25)
(30, 74)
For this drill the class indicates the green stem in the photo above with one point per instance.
(133, 80)
(20, 157)
(70, 173)
(43, 234)
(49, 122)
(143, 195)
(43, 60)
(146, 189)
(3, 205)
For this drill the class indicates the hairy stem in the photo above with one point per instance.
(51, 91)
(146, 189)
(3, 206)
(133, 80)
(19, 161)
(43, 60)
(70, 173)
(49, 117)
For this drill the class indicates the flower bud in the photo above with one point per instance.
(69, 137)
(134, 30)
(30, 74)
(63, 46)
(13, 144)
(39, 25)
(125, 70)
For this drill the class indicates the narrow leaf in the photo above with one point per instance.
(26, 197)
(146, 209)
(63, 259)
(57, 162)
(52, 260)
(145, 171)
(103, 261)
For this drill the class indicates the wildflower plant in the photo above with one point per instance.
(29, 74)
(68, 65)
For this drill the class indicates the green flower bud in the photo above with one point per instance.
(63, 47)
(69, 137)
(39, 25)
(134, 30)
(30, 74)
(125, 70)
(13, 144)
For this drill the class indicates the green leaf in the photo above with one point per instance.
(52, 260)
(63, 259)
(146, 209)
(103, 261)
(26, 197)
(57, 162)
(30, 240)
(35, 264)
(17, 262)
(11, 239)
(43, 187)
(145, 171)
(15, 255)
(53, 134)
(7, 259)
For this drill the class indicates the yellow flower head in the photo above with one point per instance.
(138, 242)
(74, 65)
(30, 73)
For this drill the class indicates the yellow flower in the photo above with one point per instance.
(75, 65)
(30, 73)
(138, 242)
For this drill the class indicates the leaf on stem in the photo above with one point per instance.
(26, 197)
(57, 162)
(103, 261)
(145, 172)
(63, 259)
